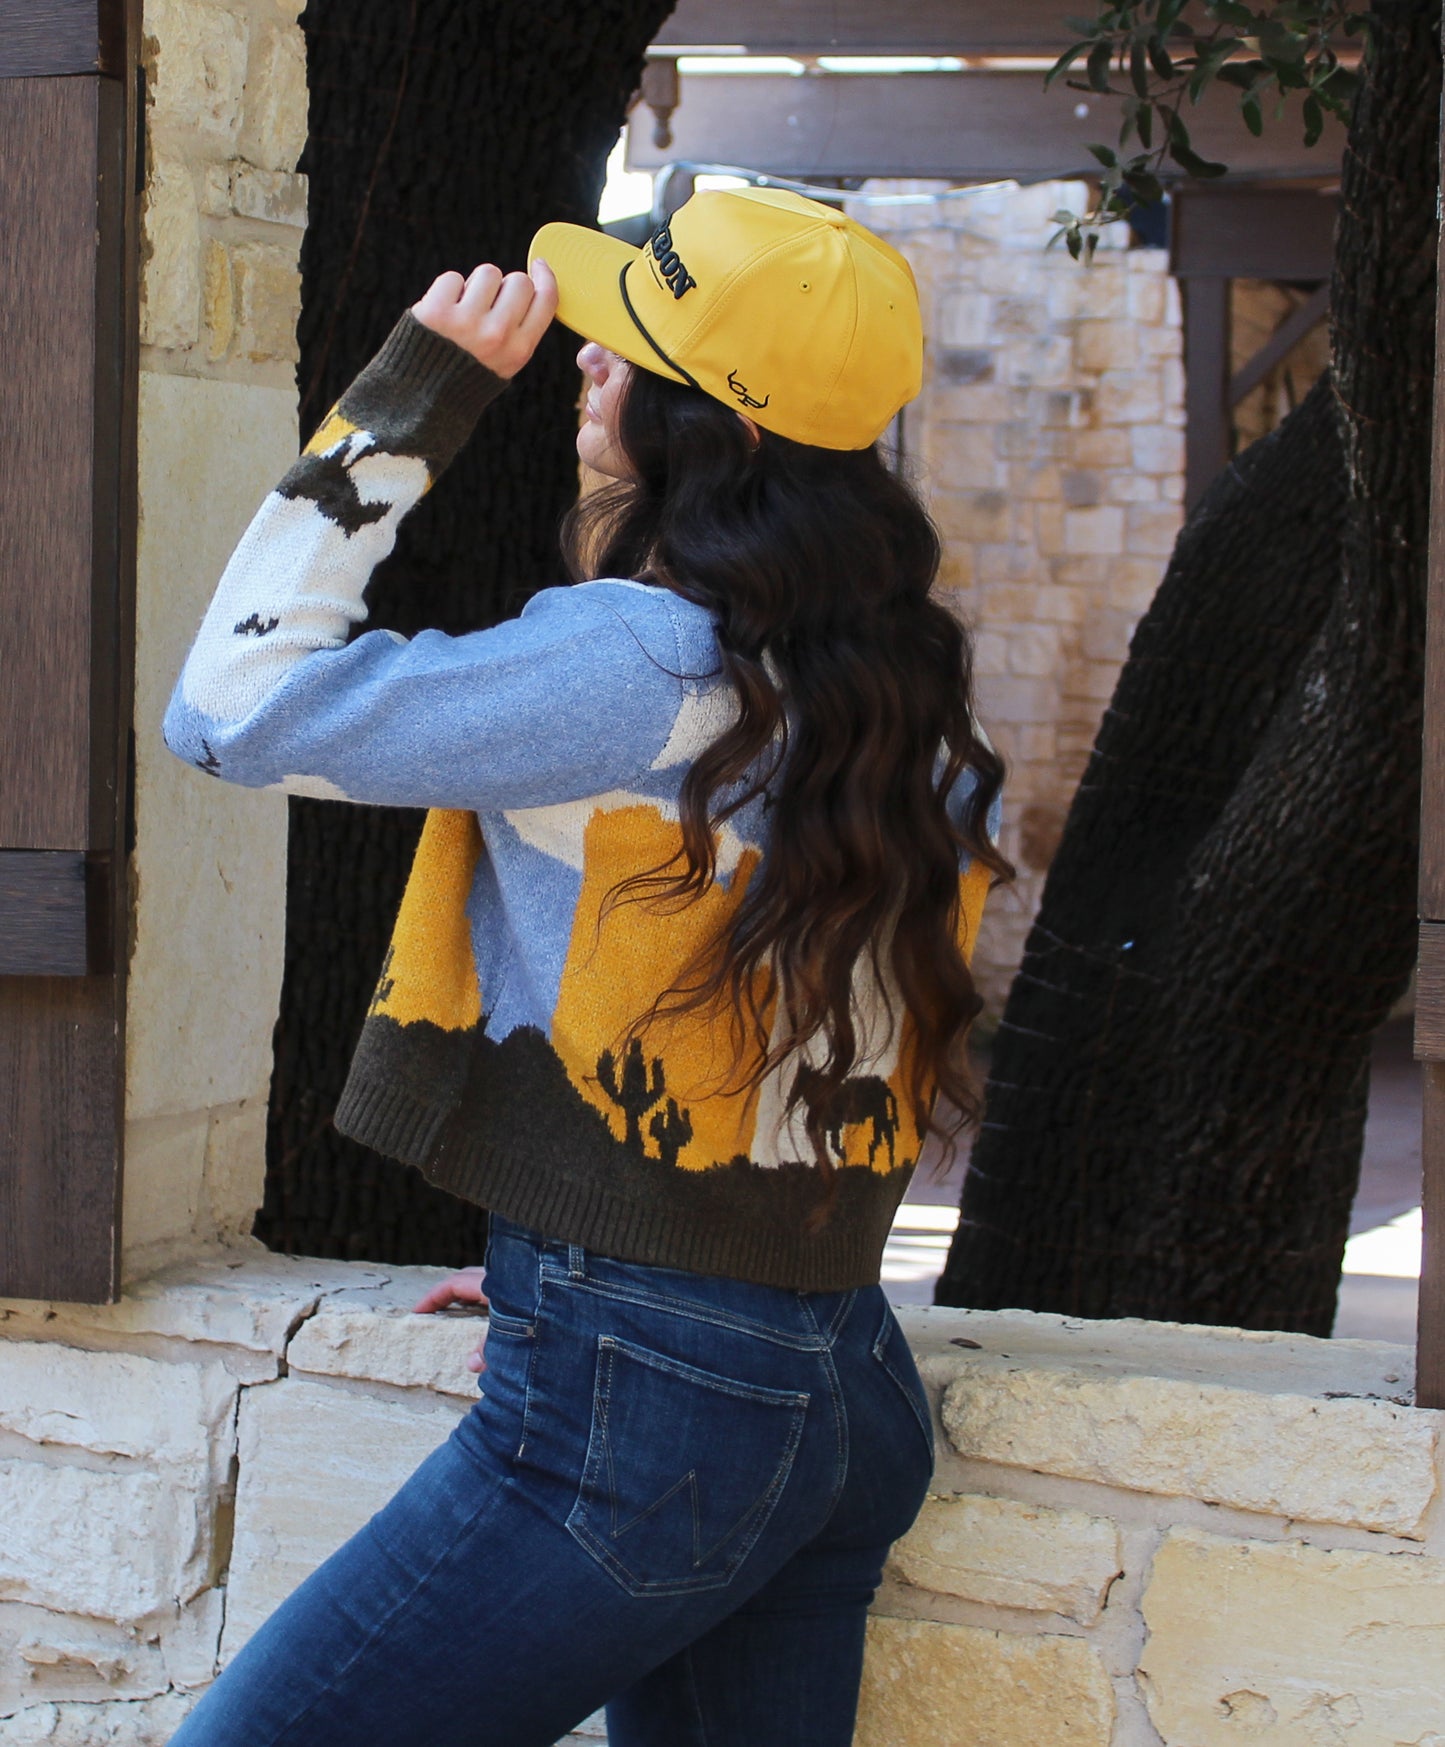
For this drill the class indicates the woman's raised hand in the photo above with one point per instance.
(497, 317)
(463, 1287)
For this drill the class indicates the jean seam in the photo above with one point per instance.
(381, 1626)
(925, 1425)
(696, 1697)
(840, 1417)
(683, 1307)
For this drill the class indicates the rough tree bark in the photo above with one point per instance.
(440, 135)
(1176, 1104)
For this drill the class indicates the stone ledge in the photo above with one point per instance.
(1299, 1428)
(1003, 1553)
(1294, 1645)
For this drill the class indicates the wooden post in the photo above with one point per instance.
(1430, 992)
(1206, 383)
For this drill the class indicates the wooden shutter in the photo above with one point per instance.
(67, 468)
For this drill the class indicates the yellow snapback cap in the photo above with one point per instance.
(774, 304)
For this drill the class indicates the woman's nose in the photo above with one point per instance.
(593, 360)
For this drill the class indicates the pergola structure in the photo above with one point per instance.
(69, 114)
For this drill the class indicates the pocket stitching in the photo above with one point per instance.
(749, 1526)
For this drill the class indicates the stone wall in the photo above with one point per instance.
(1138, 1533)
(1049, 444)
(222, 223)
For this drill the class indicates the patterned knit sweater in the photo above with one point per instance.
(499, 1054)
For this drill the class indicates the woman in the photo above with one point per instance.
(678, 984)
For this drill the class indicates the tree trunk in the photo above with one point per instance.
(440, 135)
(1176, 1104)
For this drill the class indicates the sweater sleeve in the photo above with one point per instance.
(565, 701)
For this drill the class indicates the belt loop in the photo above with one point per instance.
(576, 1262)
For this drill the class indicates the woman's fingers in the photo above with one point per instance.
(463, 1287)
(497, 317)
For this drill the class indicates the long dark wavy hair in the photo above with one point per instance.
(854, 721)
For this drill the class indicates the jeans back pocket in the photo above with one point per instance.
(683, 1469)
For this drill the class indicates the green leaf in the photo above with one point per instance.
(1159, 58)
(1145, 123)
(1277, 42)
(1253, 119)
(1167, 16)
(1314, 118)
(1232, 13)
(1064, 62)
(1105, 154)
(1145, 188)
(1139, 68)
(1099, 57)
(1075, 244)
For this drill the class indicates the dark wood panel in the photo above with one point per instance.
(1206, 384)
(1432, 794)
(61, 1081)
(1254, 233)
(1430, 1342)
(49, 214)
(1430, 994)
(965, 126)
(923, 27)
(43, 929)
(56, 37)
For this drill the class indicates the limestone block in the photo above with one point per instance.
(56, 1657)
(1106, 345)
(1287, 1643)
(1101, 448)
(1133, 488)
(209, 868)
(1367, 1464)
(218, 300)
(1006, 1554)
(165, 1166)
(170, 288)
(1045, 362)
(140, 1723)
(275, 121)
(350, 1337)
(238, 1307)
(315, 1463)
(1008, 698)
(963, 319)
(1153, 528)
(199, 70)
(1033, 650)
(1146, 304)
(268, 301)
(275, 196)
(114, 1403)
(990, 652)
(190, 1643)
(979, 515)
(1129, 397)
(1099, 530)
(112, 1544)
(235, 1177)
(929, 1685)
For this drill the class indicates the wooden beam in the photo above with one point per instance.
(1280, 343)
(1430, 1310)
(1255, 233)
(42, 914)
(49, 38)
(974, 126)
(1206, 384)
(863, 27)
(1430, 986)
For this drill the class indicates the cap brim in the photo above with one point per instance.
(588, 266)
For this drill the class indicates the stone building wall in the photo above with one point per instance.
(1139, 1535)
(1049, 444)
(222, 223)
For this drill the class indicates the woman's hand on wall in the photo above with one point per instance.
(463, 1287)
(497, 317)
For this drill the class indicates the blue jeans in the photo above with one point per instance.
(675, 1498)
